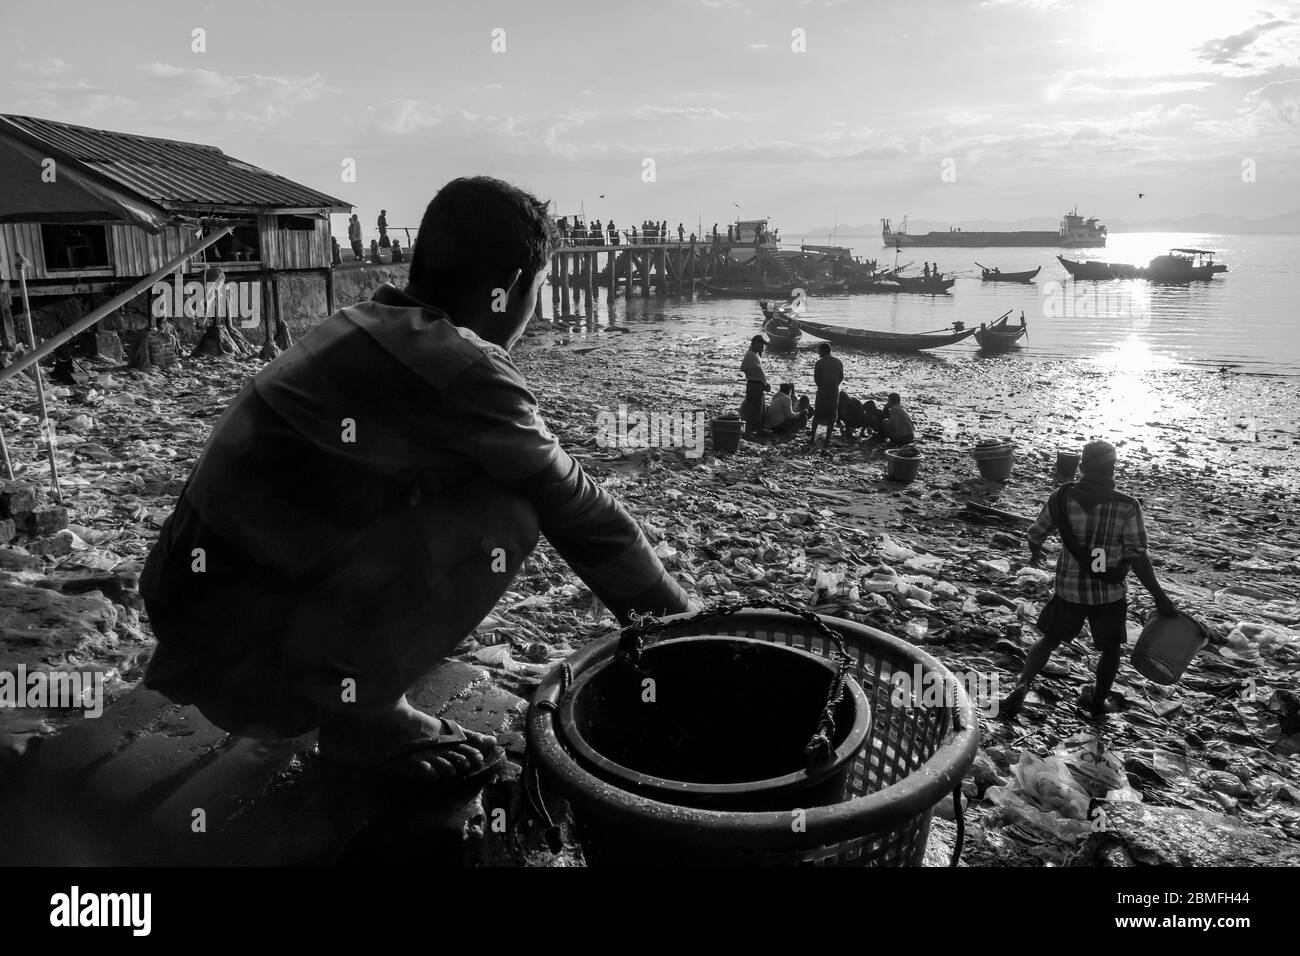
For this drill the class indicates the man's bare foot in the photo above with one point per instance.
(364, 740)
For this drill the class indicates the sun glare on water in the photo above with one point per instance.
(1129, 398)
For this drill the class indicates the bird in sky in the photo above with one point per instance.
(1140, 195)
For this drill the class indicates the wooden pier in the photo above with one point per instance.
(654, 268)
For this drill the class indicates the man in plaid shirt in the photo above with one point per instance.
(1108, 531)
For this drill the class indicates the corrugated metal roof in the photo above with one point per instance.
(172, 173)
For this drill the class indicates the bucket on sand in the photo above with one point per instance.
(900, 467)
(994, 459)
(1067, 463)
(1166, 646)
(726, 434)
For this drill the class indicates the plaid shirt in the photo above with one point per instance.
(1116, 526)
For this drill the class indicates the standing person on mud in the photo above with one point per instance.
(354, 237)
(368, 497)
(382, 224)
(1104, 537)
(755, 385)
(828, 375)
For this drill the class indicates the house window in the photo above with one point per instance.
(69, 247)
(239, 246)
(297, 223)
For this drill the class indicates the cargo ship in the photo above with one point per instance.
(1074, 231)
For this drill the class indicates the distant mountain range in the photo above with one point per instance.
(1282, 223)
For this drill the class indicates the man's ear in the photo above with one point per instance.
(514, 281)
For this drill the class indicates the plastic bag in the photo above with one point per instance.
(1048, 783)
(894, 551)
(1034, 822)
(1099, 772)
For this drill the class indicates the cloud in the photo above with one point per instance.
(1279, 100)
(256, 99)
(1227, 50)
(964, 118)
(49, 67)
(757, 46)
(685, 112)
(400, 117)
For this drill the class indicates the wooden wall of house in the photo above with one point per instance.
(135, 253)
(294, 249)
(24, 237)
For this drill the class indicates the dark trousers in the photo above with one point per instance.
(357, 250)
(754, 402)
(791, 425)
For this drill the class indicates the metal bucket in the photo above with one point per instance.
(1067, 463)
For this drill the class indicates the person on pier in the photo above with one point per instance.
(613, 233)
(397, 251)
(755, 385)
(354, 238)
(828, 375)
(422, 474)
(1104, 537)
(382, 223)
(729, 232)
(681, 233)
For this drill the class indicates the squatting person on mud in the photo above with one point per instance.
(368, 497)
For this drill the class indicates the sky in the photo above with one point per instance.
(810, 112)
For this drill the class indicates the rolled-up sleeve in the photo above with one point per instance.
(1041, 528)
(506, 436)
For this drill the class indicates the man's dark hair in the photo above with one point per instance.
(476, 232)
(787, 387)
(1098, 459)
(895, 398)
(824, 349)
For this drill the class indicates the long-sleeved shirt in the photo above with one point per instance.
(387, 400)
(1115, 526)
(752, 366)
(779, 411)
(900, 423)
(828, 374)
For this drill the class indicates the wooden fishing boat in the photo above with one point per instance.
(782, 334)
(925, 285)
(886, 341)
(730, 291)
(996, 275)
(1100, 270)
(1178, 266)
(999, 336)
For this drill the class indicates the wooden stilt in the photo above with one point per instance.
(613, 280)
(645, 273)
(555, 286)
(564, 283)
(627, 290)
(662, 267)
(692, 268)
(47, 426)
(8, 338)
(4, 450)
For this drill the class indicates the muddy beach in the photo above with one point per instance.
(1211, 455)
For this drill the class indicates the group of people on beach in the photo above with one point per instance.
(787, 414)
(355, 239)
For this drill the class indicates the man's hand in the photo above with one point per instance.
(1164, 606)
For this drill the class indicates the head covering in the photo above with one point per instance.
(757, 340)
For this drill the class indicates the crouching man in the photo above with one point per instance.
(368, 497)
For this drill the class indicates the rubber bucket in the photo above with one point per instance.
(1166, 646)
(1067, 463)
(726, 434)
(994, 461)
(915, 756)
(899, 467)
(725, 727)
